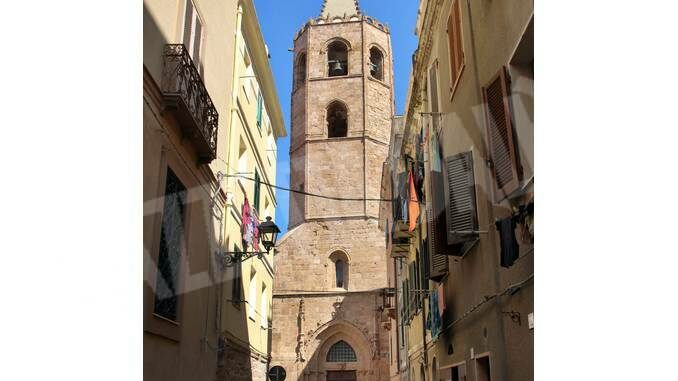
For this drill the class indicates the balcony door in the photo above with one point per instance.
(341, 375)
(193, 33)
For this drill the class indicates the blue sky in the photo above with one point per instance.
(280, 20)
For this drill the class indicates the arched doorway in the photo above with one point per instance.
(343, 354)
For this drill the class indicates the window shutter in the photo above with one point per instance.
(452, 48)
(257, 189)
(500, 136)
(461, 207)
(427, 258)
(459, 49)
(188, 20)
(437, 244)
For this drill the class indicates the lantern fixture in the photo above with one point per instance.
(268, 234)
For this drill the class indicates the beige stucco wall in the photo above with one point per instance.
(208, 314)
(491, 32)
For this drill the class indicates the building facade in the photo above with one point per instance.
(464, 273)
(196, 125)
(331, 298)
(256, 123)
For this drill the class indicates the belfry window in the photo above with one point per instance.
(339, 269)
(337, 120)
(376, 64)
(300, 72)
(337, 59)
(341, 352)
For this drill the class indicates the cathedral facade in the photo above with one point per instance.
(330, 296)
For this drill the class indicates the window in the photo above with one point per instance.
(455, 44)
(435, 206)
(192, 32)
(339, 273)
(171, 248)
(260, 109)
(242, 157)
(458, 373)
(376, 64)
(236, 297)
(341, 352)
(300, 72)
(337, 59)
(257, 190)
(500, 135)
(462, 220)
(252, 295)
(483, 372)
(341, 267)
(264, 307)
(337, 120)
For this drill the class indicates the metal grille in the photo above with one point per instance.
(171, 241)
(341, 352)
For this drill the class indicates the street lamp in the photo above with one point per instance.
(268, 231)
(268, 234)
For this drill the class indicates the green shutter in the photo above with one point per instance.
(257, 189)
(260, 104)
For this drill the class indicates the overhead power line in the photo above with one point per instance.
(311, 194)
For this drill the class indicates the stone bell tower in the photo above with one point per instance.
(329, 305)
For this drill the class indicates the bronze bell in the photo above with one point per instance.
(337, 68)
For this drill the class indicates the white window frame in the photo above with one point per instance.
(195, 17)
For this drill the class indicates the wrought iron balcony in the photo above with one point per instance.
(185, 94)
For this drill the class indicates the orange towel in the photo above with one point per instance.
(412, 204)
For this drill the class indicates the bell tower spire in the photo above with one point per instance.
(339, 8)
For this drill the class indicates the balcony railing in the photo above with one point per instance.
(185, 94)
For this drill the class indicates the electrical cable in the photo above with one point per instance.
(311, 194)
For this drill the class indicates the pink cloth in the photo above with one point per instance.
(246, 226)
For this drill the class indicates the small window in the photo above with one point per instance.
(260, 109)
(483, 372)
(192, 32)
(252, 296)
(458, 373)
(264, 307)
(171, 248)
(337, 59)
(376, 64)
(337, 120)
(236, 296)
(341, 352)
(339, 267)
(300, 72)
(242, 157)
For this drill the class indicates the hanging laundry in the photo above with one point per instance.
(509, 243)
(434, 315)
(413, 205)
(441, 299)
(246, 226)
